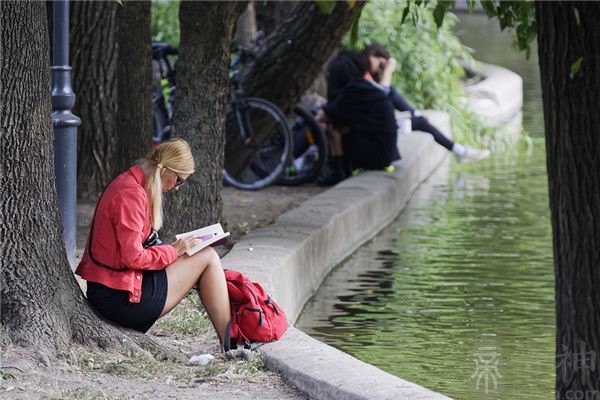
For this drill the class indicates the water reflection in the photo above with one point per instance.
(460, 287)
(467, 266)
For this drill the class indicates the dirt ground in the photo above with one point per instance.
(87, 374)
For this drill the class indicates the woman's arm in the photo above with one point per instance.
(388, 70)
(400, 103)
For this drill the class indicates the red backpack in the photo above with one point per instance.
(255, 316)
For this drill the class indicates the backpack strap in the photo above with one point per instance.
(91, 236)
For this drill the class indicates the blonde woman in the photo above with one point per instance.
(133, 278)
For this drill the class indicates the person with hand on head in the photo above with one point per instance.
(133, 278)
(359, 119)
(377, 58)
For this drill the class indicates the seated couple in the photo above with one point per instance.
(359, 116)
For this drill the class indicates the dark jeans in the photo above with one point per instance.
(419, 123)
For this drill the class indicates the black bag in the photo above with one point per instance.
(152, 239)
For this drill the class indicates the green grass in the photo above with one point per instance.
(188, 318)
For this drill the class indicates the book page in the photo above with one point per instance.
(209, 235)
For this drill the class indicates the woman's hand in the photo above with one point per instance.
(184, 244)
(388, 70)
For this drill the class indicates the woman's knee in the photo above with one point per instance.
(207, 257)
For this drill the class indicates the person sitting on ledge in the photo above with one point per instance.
(359, 119)
(132, 277)
(376, 57)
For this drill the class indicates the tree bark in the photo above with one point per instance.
(94, 61)
(202, 76)
(42, 305)
(134, 116)
(567, 32)
(270, 13)
(43, 308)
(291, 60)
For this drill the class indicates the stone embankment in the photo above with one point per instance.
(292, 256)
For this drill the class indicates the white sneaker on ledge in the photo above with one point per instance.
(472, 155)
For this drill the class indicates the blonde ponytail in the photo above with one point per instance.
(174, 154)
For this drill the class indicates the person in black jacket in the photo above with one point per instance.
(376, 57)
(359, 116)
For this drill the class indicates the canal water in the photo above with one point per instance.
(457, 294)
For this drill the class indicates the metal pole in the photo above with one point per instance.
(65, 127)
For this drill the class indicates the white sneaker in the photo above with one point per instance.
(472, 155)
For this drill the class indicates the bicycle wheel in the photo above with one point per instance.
(310, 148)
(265, 160)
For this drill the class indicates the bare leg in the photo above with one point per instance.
(335, 141)
(204, 271)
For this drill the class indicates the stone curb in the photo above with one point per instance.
(292, 256)
(498, 98)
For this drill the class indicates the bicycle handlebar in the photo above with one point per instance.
(160, 50)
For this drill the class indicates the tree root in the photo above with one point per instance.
(90, 330)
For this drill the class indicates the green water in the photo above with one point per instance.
(460, 287)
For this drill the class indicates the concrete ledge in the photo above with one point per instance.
(292, 256)
(335, 374)
(497, 98)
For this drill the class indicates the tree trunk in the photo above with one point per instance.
(270, 13)
(291, 60)
(94, 59)
(42, 305)
(134, 116)
(567, 32)
(202, 76)
(245, 31)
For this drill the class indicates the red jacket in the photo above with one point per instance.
(120, 226)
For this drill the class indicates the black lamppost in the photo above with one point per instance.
(65, 126)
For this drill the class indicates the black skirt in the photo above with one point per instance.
(115, 306)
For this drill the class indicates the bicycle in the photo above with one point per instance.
(265, 144)
(310, 148)
(310, 144)
(268, 160)
(163, 70)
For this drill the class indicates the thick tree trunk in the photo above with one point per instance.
(134, 116)
(567, 32)
(270, 13)
(94, 61)
(202, 75)
(293, 57)
(42, 305)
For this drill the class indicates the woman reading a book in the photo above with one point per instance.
(133, 278)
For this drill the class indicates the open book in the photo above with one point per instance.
(209, 235)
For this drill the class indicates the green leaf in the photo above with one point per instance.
(471, 5)
(577, 17)
(489, 7)
(120, 2)
(576, 67)
(354, 29)
(439, 13)
(326, 6)
(405, 13)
